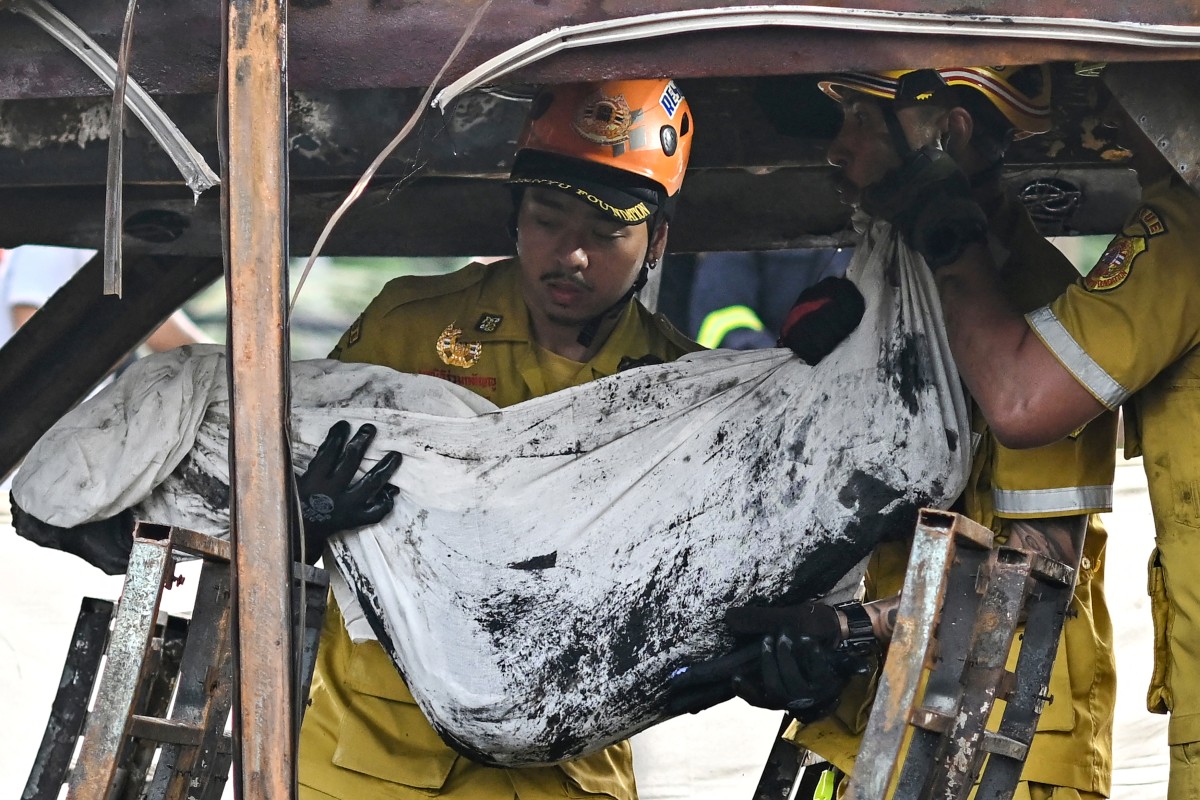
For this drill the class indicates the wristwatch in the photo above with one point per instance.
(860, 636)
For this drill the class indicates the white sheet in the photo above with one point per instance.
(549, 564)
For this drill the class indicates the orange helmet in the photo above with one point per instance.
(623, 145)
(1020, 93)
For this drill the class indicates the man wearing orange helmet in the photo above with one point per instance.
(598, 170)
(1042, 499)
(597, 174)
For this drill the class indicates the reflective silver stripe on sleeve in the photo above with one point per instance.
(1075, 358)
(1032, 502)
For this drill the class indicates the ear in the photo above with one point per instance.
(658, 245)
(959, 127)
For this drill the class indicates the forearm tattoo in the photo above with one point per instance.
(1060, 538)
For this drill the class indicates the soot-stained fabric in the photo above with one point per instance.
(548, 565)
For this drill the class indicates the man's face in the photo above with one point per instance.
(863, 150)
(575, 261)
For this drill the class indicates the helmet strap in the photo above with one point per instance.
(895, 129)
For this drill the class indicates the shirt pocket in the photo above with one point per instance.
(383, 733)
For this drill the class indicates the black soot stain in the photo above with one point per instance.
(537, 562)
(901, 365)
(868, 497)
(213, 492)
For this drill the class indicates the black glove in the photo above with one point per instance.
(747, 671)
(800, 676)
(693, 688)
(815, 621)
(928, 199)
(331, 500)
(105, 543)
(801, 668)
(824, 314)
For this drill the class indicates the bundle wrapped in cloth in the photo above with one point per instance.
(548, 565)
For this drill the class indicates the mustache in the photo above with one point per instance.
(574, 278)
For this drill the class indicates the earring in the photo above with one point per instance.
(652, 263)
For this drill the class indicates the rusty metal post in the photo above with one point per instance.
(257, 184)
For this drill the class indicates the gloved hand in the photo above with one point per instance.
(801, 676)
(693, 688)
(824, 314)
(801, 669)
(928, 199)
(791, 663)
(331, 500)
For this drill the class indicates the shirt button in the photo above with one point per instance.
(1085, 563)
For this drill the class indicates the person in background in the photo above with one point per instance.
(739, 301)
(32, 273)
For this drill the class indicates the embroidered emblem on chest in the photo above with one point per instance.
(1113, 267)
(488, 323)
(454, 353)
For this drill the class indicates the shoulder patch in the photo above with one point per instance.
(1115, 264)
(355, 332)
(1150, 221)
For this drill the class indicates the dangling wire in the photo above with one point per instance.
(361, 185)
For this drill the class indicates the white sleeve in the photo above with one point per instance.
(36, 272)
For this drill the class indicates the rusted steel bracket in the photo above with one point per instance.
(158, 727)
(941, 539)
(960, 608)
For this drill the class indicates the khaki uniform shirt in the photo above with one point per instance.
(1073, 745)
(1130, 333)
(363, 736)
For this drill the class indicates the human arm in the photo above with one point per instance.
(1027, 396)
(794, 660)
(176, 331)
(1025, 393)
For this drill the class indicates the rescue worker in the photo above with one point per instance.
(597, 174)
(1041, 499)
(1128, 335)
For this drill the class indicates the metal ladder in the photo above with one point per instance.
(157, 726)
(962, 602)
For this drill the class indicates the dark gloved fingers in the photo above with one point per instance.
(695, 687)
(370, 485)
(346, 465)
(928, 199)
(329, 453)
(331, 500)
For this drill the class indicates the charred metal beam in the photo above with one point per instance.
(261, 480)
(1169, 115)
(719, 210)
(74, 340)
(354, 44)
